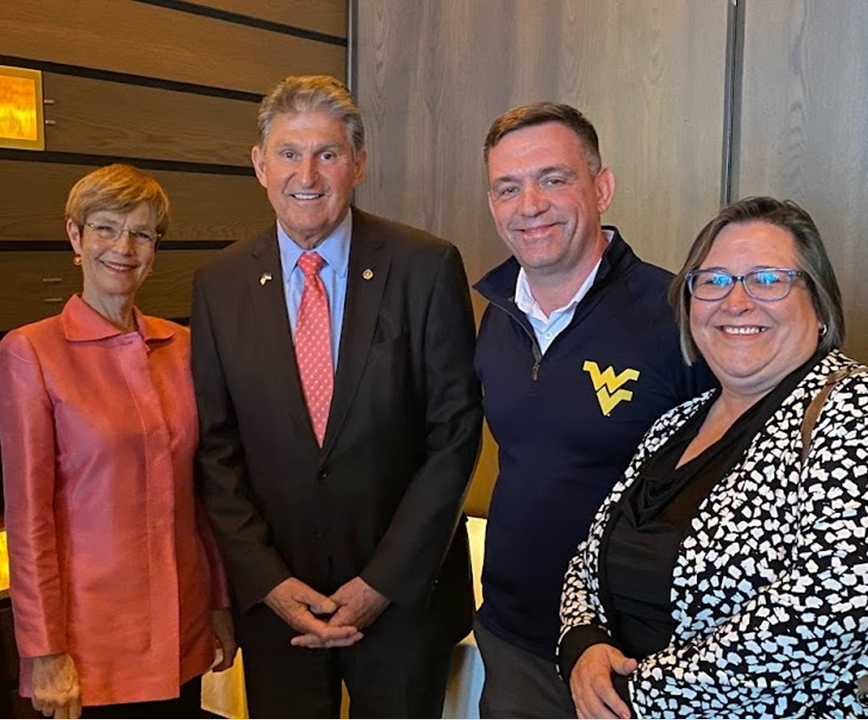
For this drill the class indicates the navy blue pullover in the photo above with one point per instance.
(563, 443)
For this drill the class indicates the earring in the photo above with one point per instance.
(76, 260)
(824, 330)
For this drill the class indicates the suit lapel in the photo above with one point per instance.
(366, 280)
(270, 323)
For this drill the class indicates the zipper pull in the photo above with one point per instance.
(534, 373)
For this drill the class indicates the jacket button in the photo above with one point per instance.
(323, 473)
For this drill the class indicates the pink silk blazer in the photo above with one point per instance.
(111, 560)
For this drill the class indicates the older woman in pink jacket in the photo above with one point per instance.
(117, 591)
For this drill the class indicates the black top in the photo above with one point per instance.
(641, 542)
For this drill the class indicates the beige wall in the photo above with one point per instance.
(171, 91)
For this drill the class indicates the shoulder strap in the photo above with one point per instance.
(816, 406)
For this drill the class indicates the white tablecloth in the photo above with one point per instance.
(223, 693)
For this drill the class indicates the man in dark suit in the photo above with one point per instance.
(340, 422)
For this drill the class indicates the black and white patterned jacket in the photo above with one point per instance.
(770, 586)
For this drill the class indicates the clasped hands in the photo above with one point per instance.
(327, 622)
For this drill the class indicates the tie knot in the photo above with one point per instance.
(310, 263)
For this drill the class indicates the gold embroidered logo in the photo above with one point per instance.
(607, 385)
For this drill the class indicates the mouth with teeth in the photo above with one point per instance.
(743, 329)
(117, 267)
(306, 196)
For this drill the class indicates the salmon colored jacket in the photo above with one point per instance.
(111, 559)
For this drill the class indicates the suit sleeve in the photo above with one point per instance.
(409, 555)
(29, 478)
(253, 564)
(811, 618)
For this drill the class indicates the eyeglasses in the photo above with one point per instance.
(111, 233)
(765, 284)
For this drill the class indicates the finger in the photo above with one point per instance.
(613, 702)
(344, 642)
(308, 640)
(343, 616)
(61, 712)
(594, 705)
(317, 602)
(627, 666)
(607, 704)
(75, 709)
(224, 664)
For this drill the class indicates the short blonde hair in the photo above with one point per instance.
(117, 188)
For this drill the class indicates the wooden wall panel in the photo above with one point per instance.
(804, 127)
(204, 207)
(167, 292)
(153, 41)
(431, 77)
(35, 285)
(649, 75)
(111, 118)
(325, 16)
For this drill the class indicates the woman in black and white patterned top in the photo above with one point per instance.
(727, 573)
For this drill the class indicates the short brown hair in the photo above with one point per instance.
(540, 113)
(117, 188)
(810, 251)
(313, 93)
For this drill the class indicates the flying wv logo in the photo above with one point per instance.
(607, 385)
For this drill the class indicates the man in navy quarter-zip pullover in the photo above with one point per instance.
(578, 354)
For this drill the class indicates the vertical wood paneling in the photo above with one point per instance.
(804, 129)
(648, 73)
(431, 77)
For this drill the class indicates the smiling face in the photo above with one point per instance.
(114, 270)
(308, 170)
(752, 345)
(545, 201)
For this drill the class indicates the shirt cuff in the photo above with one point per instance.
(575, 642)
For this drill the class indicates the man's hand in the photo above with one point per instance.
(298, 605)
(357, 605)
(591, 682)
(224, 636)
(56, 691)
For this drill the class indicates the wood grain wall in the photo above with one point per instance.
(431, 77)
(804, 129)
(169, 86)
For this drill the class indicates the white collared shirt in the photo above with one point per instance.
(547, 328)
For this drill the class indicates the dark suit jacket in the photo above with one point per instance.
(383, 496)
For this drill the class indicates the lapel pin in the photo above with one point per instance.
(265, 278)
(367, 273)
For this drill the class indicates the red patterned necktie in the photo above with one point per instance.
(313, 345)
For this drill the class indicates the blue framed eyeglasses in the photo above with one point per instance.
(763, 284)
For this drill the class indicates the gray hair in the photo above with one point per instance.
(313, 93)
